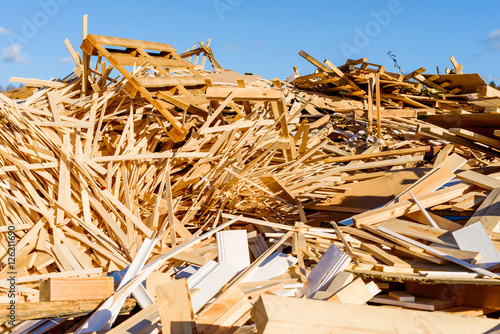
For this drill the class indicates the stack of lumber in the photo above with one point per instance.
(166, 197)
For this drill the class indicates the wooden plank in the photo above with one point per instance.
(448, 136)
(404, 207)
(36, 278)
(215, 310)
(244, 94)
(476, 137)
(224, 314)
(38, 82)
(443, 223)
(419, 231)
(149, 156)
(64, 190)
(428, 183)
(488, 212)
(120, 206)
(131, 43)
(417, 304)
(152, 82)
(129, 60)
(378, 154)
(176, 314)
(53, 99)
(313, 61)
(488, 91)
(441, 254)
(356, 292)
(113, 226)
(144, 321)
(65, 289)
(467, 83)
(275, 314)
(401, 296)
(53, 310)
(481, 180)
(383, 256)
(377, 101)
(339, 281)
(278, 188)
(471, 295)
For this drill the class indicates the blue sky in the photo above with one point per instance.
(263, 37)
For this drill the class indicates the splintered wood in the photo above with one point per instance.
(219, 189)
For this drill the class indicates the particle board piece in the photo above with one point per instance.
(474, 238)
(232, 247)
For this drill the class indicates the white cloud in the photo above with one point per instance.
(4, 31)
(495, 34)
(230, 47)
(65, 60)
(492, 42)
(13, 54)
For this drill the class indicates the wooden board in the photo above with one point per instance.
(488, 212)
(52, 310)
(278, 315)
(418, 304)
(177, 314)
(66, 289)
(468, 83)
(356, 292)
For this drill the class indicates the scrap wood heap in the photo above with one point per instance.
(219, 190)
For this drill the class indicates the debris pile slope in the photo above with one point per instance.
(351, 185)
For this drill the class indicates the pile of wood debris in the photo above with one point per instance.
(145, 194)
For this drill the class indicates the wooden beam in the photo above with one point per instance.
(275, 314)
(65, 289)
(53, 310)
